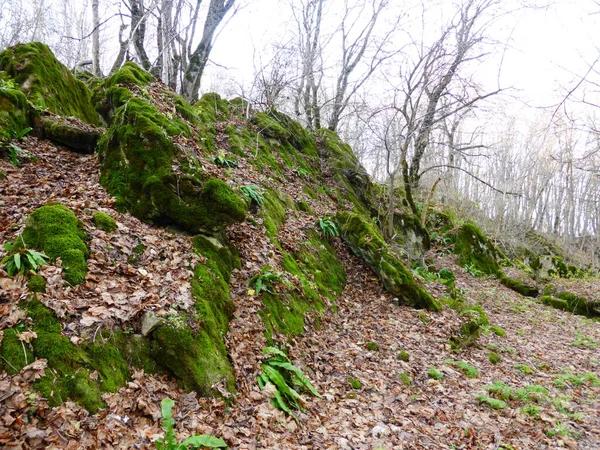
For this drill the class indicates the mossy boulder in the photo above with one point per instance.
(547, 267)
(411, 235)
(365, 241)
(46, 82)
(191, 346)
(14, 112)
(475, 250)
(518, 286)
(157, 181)
(554, 302)
(104, 222)
(356, 185)
(70, 367)
(55, 230)
(580, 305)
(116, 89)
(80, 138)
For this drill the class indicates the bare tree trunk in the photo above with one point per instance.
(198, 59)
(96, 39)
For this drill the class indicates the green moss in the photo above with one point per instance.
(37, 283)
(273, 211)
(475, 320)
(403, 356)
(15, 354)
(494, 358)
(55, 230)
(354, 383)
(212, 108)
(518, 286)
(62, 132)
(138, 157)
(372, 346)
(366, 242)
(466, 368)
(475, 250)
(195, 359)
(130, 74)
(579, 305)
(104, 222)
(46, 82)
(498, 331)
(14, 113)
(70, 366)
(555, 302)
(432, 372)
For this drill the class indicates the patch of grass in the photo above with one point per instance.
(423, 317)
(524, 369)
(372, 346)
(563, 380)
(491, 402)
(497, 330)
(403, 355)
(432, 372)
(531, 410)
(405, 379)
(494, 358)
(466, 368)
(583, 340)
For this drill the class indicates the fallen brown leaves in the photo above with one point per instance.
(384, 413)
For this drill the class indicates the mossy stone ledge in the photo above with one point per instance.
(366, 242)
(47, 83)
(157, 181)
(14, 112)
(55, 230)
(475, 250)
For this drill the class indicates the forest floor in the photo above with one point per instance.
(549, 360)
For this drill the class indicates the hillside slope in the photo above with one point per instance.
(166, 306)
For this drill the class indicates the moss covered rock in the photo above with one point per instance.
(70, 367)
(518, 286)
(14, 112)
(78, 138)
(474, 250)
(191, 346)
(55, 230)
(157, 181)
(104, 222)
(37, 283)
(366, 242)
(46, 82)
(411, 235)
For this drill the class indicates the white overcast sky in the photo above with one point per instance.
(548, 50)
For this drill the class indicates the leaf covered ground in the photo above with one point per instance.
(545, 368)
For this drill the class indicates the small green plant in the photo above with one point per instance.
(15, 153)
(253, 192)
(432, 372)
(169, 442)
(563, 380)
(221, 160)
(21, 260)
(405, 378)
(494, 357)
(424, 274)
(474, 271)
(466, 368)
(287, 379)
(355, 383)
(7, 84)
(531, 410)
(300, 171)
(446, 274)
(403, 355)
(423, 317)
(328, 228)
(524, 369)
(493, 403)
(266, 279)
(497, 330)
(583, 340)
(560, 429)
(372, 346)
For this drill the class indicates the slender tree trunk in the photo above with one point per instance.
(96, 39)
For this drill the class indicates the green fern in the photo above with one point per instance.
(21, 260)
(169, 442)
(278, 370)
